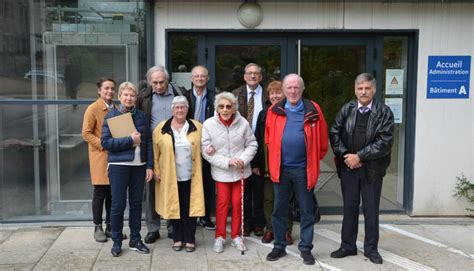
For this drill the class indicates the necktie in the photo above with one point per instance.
(364, 109)
(250, 108)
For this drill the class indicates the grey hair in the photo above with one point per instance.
(157, 68)
(127, 85)
(253, 64)
(227, 96)
(193, 71)
(300, 80)
(179, 100)
(366, 77)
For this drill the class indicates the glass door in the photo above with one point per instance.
(329, 68)
(227, 59)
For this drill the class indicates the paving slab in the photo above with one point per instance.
(128, 260)
(27, 246)
(73, 249)
(17, 267)
(405, 243)
(4, 234)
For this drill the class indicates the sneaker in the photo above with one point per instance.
(206, 223)
(275, 254)
(238, 243)
(139, 247)
(219, 245)
(99, 234)
(116, 249)
(308, 258)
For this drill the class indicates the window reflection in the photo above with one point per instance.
(80, 66)
(56, 50)
(231, 61)
(329, 73)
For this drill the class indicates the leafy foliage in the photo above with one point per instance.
(464, 189)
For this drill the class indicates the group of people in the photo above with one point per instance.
(193, 147)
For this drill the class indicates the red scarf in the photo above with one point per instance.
(226, 122)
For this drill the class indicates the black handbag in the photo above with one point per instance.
(294, 212)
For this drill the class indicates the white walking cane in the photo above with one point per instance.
(242, 207)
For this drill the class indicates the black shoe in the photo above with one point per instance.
(116, 249)
(108, 233)
(258, 231)
(139, 247)
(108, 230)
(275, 254)
(151, 237)
(341, 253)
(374, 257)
(206, 223)
(308, 258)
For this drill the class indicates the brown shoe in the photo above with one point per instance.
(267, 237)
(247, 231)
(289, 239)
(258, 231)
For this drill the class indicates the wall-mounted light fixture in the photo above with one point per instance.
(250, 14)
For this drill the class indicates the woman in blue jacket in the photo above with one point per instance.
(130, 163)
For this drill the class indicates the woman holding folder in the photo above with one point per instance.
(130, 163)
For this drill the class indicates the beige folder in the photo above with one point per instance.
(121, 126)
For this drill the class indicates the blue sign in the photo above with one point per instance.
(448, 77)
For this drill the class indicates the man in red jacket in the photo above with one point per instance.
(297, 139)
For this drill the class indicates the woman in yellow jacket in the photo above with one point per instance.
(91, 132)
(178, 173)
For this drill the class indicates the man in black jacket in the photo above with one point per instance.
(201, 107)
(361, 139)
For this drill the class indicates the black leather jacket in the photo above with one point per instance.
(211, 95)
(375, 156)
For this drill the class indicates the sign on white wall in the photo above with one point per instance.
(448, 77)
(394, 82)
(396, 104)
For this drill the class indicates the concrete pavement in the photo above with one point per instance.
(405, 244)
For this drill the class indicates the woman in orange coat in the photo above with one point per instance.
(91, 132)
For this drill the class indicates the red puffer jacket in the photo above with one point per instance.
(316, 138)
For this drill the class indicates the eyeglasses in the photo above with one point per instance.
(226, 106)
(253, 73)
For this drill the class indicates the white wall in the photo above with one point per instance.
(444, 140)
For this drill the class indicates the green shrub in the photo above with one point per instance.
(464, 189)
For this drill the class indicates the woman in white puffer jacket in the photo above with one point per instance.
(229, 145)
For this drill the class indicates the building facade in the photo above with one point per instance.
(57, 49)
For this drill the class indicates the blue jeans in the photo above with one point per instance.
(123, 178)
(293, 180)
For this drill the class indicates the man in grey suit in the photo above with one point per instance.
(251, 99)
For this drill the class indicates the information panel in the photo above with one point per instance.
(448, 77)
